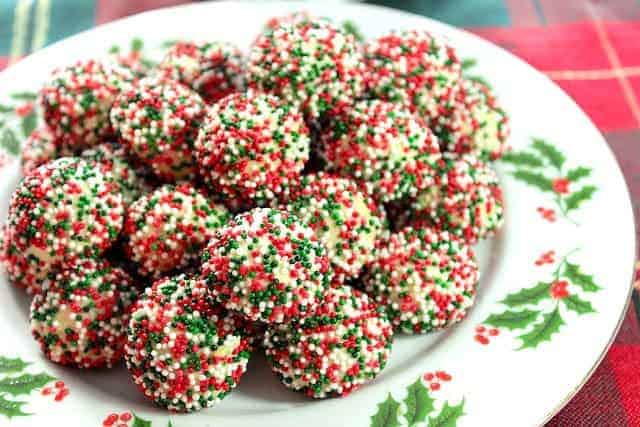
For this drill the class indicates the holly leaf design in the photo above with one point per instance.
(479, 79)
(140, 422)
(113, 50)
(468, 63)
(512, 319)
(528, 295)
(578, 173)
(578, 278)
(10, 142)
(24, 384)
(522, 158)
(577, 304)
(11, 408)
(169, 425)
(551, 323)
(137, 44)
(387, 415)
(5, 109)
(575, 199)
(168, 43)
(419, 403)
(28, 123)
(8, 365)
(24, 96)
(350, 27)
(551, 153)
(448, 416)
(534, 179)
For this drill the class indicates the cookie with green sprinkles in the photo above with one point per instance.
(167, 228)
(76, 101)
(81, 317)
(62, 210)
(213, 69)
(342, 345)
(157, 120)
(345, 219)
(252, 148)
(308, 63)
(467, 201)
(268, 265)
(178, 353)
(383, 146)
(426, 279)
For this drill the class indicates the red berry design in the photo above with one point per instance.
(547, 214)
(559, 289)
(546, 258)
(561, 185)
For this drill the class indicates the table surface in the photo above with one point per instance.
(590, 48)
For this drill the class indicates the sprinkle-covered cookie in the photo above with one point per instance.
(345, 343)
(252, 147)
(384, 146)
(39, 148)
(158, 119)
(166, 229)
(268, 265)
(81, 317)
(425, 278)
(178, 353)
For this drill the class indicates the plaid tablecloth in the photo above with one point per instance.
(591, 48)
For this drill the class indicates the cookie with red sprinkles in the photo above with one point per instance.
(308, 63)
(76, 100)
(62, 210)
(81, 317)
(252, 147)
(178, 352)
(213, 69)
(426, 279)
(167, 228)
(345, 219)
(268, 265)
(342, 345)
(384, 146)
(158, 120)
(467, 201)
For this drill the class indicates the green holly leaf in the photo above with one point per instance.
(534, 179)
(419, 403)
(24, 384)
(479, 79)
(468, 63)
(10, 142)
(551, 323)
(140, 422)
(8, 365)
(522, 158)
(512, 319)
(528, 295)
(575, 199)
(578, 173)
(137, 44)
(580, 306)
(387, 415)
(24, 96)
(448, 416)
(113, 50)
(169, 425)
(11, 408)
(29, 123)
(578, 278)
(5, 109)
(551, 153)
(168, 43)
(351, 27)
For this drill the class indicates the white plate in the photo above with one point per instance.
(495, 383)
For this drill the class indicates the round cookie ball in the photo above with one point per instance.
(384, 146)
(344, 218)
(39, 148)
(268, 265)
(310, 64)
(62, 210)
(167, 228)
(333, 351)
(213, 69)
(177, 352)
(112, 161)
(472, 121)
(252, 148)
(81, 317)
(76, 101)
(412, 67)
(425, 278)
(467, 201)
(158, 120)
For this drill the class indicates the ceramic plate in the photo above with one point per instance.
(555, 282)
